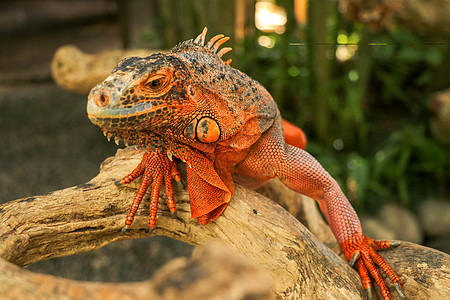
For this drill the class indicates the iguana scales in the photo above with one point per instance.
(190, 104)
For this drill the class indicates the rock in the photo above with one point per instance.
(376, 229)
(440, 123)
(403, 223)
(435, 218)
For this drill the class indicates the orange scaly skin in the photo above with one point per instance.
(191, 105)
(155, 168)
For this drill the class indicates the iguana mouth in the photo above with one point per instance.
(141, 138)
(116, 115)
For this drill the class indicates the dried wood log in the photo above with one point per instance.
(200, 274)
(89, 216)
(304, 209)
(79, 72)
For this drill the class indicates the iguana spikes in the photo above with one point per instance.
(223, 51)
(213, 40)
(214, 43)
(170, 155)
(219, 43)
(201, 37)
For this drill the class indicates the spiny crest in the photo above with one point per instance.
(211, 47)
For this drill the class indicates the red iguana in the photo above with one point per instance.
(225, 126)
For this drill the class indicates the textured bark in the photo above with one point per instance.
(89, 216)
(170, 282)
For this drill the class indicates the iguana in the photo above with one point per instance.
(190, 104)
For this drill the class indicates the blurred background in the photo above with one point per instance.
(368, 82)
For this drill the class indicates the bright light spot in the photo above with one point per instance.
(347, 45)
(293, 71)
(355, 37)
(342, 38)
(353, 75)
(266, 41)
(345, 38)
(338, 144)
(269, 17)
(346, 52)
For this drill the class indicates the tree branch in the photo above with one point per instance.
(89, 216)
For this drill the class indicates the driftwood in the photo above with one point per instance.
(249, 283)
(79, 72)
(89, 216)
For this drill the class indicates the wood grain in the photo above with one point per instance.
(88, 216)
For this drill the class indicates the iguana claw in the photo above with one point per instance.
(369, 293)
(361, 252)
(399, 290)
(354, 258)
(156, 168)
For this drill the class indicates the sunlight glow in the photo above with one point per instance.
(347, 45)
(266, 41)
(346, 52)
(269, 17)
(353, 75)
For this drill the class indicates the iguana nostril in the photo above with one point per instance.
(102, 99)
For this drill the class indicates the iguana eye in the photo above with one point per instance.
(156, 82)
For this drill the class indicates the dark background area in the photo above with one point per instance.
(367, 118)
(47, 141)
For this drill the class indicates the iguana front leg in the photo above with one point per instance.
(272, 157)
(156, 168)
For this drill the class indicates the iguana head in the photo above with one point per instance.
(188, 95)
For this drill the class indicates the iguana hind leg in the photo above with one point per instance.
(272, 157)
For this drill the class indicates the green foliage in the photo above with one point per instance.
(406, 168)
(405, 165)
(377, 144)
(405, 68)
(365, 116)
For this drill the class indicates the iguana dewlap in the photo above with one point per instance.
(191, 105)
